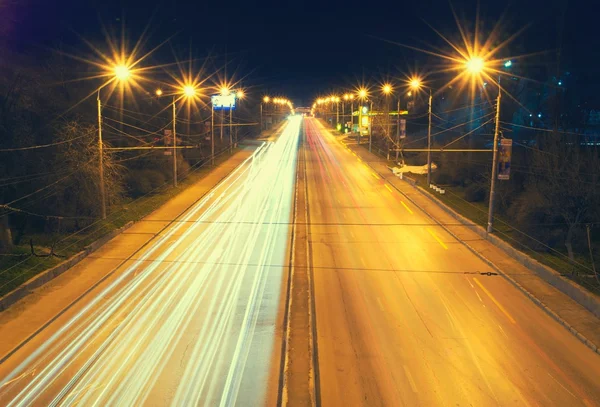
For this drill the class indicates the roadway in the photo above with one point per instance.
(190, 320)
(406, 315)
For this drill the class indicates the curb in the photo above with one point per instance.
(40, 279)
(594, 347)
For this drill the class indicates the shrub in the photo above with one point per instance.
(474, 193)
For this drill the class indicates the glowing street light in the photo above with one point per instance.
(414, 84)
(189, 91)
(122, 72)
(240, 94)
(475, 65)
(362, 93)
(159, 92)
(386, 89)
(224, 90)
(266, 99)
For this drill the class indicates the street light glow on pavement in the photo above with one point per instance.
(189, 322)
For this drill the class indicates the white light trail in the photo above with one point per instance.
(179, 324)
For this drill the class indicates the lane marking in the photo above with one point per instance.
(374, 175)
(437, 238)
(411, 381)
(502, 331)
(478, 296)
(407, 208)
(561, 385)
(380, 304)
(388, 188)
(485, 290)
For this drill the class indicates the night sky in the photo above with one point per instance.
(302, 48)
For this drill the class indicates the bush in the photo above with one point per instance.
(442, 178)
(142, 182)
(474, 193)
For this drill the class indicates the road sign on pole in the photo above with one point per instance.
(504, 158)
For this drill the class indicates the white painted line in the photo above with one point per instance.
(411, 381)
(380, 304)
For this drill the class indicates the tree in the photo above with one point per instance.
(565, 179)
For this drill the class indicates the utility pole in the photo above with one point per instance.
(337, 113)
(261, 118)
(388, 130)
(101, 160)
(398, 131)
(174, 144)
(429, 143)
(370, 126)
(230, 130)
(494, 163)
(212, 135)
(222, 120)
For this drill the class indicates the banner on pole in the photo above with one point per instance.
(168, 137)
(402, 128)
(504, 158)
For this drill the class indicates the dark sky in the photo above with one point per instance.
(302, 48)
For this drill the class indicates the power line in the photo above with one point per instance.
(5, 150)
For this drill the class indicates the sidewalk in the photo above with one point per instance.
(36, 310)
(579, 318)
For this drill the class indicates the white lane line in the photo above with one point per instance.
(561, 385)
(362, 260)
(478, 296)
(503, 331)
(411, 381)
(380, 304)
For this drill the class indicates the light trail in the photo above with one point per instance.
(179, 325)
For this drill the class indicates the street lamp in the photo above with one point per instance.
(475, 65)
(188, 92)
(120, 73)
(415, 85)
(158, 92)
(266, 99)
(387, 89)
(362, 95)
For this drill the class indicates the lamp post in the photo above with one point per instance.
(121, 74)
(490, 224)
(398, 130)
(387, 89)
(101, 160)
(415, 85)
(240, 94)
(266, 99)
(362, 95)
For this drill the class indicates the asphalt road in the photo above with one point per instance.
(404, 314)
(191, 320)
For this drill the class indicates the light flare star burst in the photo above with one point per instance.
(191, 321)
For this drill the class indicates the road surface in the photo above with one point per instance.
(406, 315)
(191, 320)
